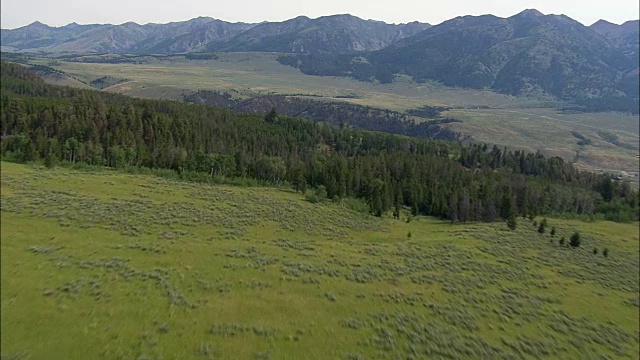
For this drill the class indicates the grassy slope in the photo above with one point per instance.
(511, 122)
(108, 265)
(550, 132)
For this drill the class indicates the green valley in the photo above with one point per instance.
(487, 117)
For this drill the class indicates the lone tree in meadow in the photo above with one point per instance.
(575, 240)
(553, 231)
(543, 226)
(508, 211)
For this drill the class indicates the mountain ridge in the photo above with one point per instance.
(340, 33)
(129, 37)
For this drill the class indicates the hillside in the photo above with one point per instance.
(518, 123)
(527, 53)
(176, 37)
(385, 171)
(335, 34)
(137, 266)
(624, 37)
(335, 113)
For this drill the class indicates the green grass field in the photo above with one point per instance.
(109, 265)
(519, 123)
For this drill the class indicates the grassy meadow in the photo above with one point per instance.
(103, 264)
(531, 123)
(551, 133)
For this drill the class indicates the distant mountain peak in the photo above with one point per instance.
(340, 16)
(38, 24)
(603, 22)
(530, 13)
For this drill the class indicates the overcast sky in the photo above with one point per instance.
(16, 13)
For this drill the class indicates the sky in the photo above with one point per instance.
(16, 13)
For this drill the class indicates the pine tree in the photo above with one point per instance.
(541, 228)
(507, 210)
(272, 116)
(575, 240)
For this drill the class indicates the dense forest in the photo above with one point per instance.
(337, 113)
(389, 172)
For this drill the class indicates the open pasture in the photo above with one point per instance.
(110, 265)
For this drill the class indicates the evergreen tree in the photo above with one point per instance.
(575, 240)
(507, 210)
(272, 116)
(541, 228)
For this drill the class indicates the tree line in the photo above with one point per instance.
(390, 172)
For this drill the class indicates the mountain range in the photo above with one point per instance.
(175, 37)
(528, 53)
(328, 34)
